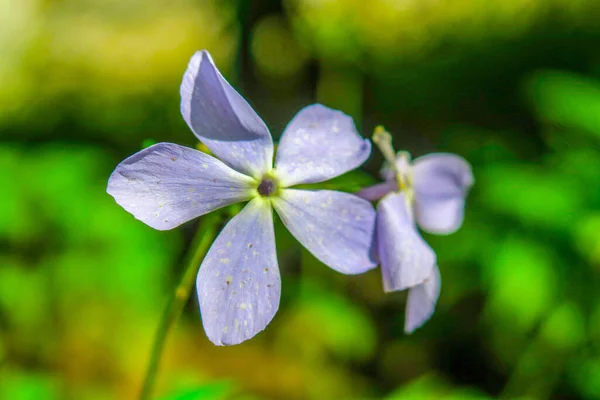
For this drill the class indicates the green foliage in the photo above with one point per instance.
(430, 387)
(211, 391)
(522, 282)
(567, 99)
(532, 195)
(326, 318)
(22, 385)
(565, 328)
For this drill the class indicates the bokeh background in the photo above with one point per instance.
(511, 85)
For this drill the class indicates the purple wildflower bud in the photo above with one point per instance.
(166, 185)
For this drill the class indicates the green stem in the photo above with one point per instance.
(202, 241)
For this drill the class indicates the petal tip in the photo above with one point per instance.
(222, 119)
(319, 106)
(199, 56)
(189, 76)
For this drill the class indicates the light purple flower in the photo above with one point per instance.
(430, 192)
(166, 185)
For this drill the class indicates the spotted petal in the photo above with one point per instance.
(441, 182)
(421, 301)
(166, 185)
(238, 283)
(223, 120)
(335, 227)
(406, 260)
(319, 144)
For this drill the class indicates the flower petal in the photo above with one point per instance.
(421, 301)
(223, 120)
(377, 191)
(406, 260)
(335, 227)
(166, 185)
(441, 182)
(317, 145)
(238, 283)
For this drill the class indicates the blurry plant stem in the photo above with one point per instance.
(178, 298)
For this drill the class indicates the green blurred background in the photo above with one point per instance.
(511, 85)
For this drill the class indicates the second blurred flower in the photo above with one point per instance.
(429, 191)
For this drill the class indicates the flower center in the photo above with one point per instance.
(267, 187)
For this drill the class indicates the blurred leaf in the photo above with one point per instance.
(481, 146)
(17, 221)
(425, 387)
(594, 321)
(586, 238)
(581, 165)
(585, 375)
(433, 387)
(21, 385)
(567, 99)
(320, 323)
(522, 283)
(531, 194)
(25, 294)
(565, 328)
(210, 391)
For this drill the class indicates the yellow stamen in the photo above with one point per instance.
(383, 140)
